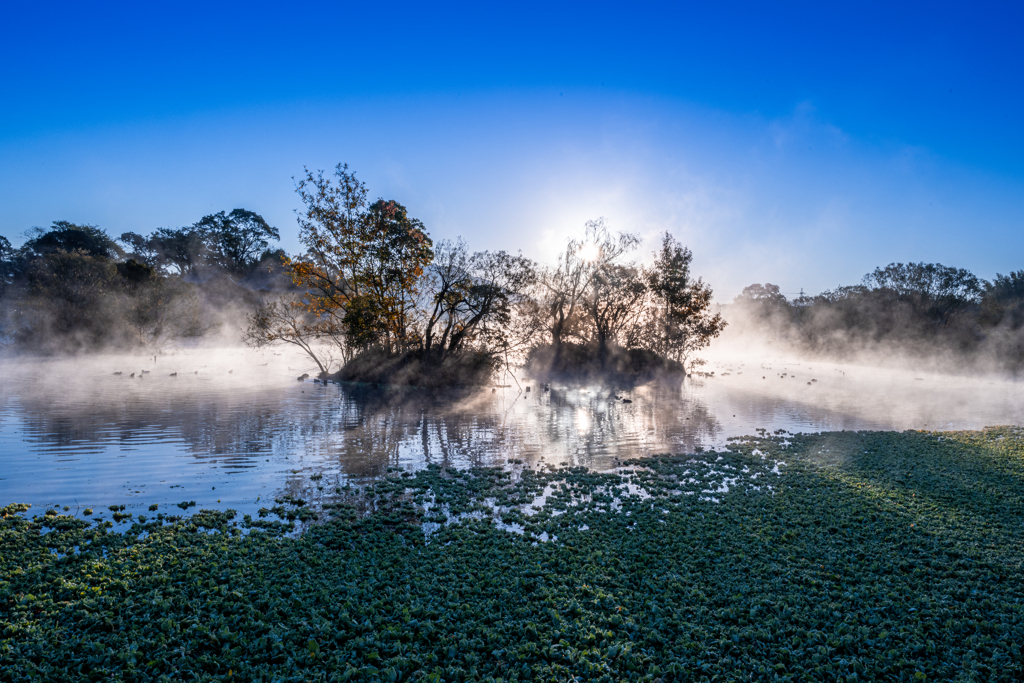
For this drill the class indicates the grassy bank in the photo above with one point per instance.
(866, 556)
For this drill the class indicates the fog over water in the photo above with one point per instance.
(233, 428)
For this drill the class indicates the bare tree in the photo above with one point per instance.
(563, 289)
(288, 321)
(472, 298)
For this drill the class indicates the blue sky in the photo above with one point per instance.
(797, 144)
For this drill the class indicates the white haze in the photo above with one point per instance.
(233, 428)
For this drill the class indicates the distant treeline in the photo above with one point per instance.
(923, 310)
(73, 287)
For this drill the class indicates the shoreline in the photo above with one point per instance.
(875, 554)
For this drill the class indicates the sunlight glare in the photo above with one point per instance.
(590, 252)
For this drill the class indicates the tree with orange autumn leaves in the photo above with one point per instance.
(363, 262)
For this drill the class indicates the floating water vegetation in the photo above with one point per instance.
(866, 556)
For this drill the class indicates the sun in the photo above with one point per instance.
(589, 252)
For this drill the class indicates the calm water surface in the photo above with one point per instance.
(234, 428)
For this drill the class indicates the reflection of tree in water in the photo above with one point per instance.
(597, 428)
(230, 429)
(380, 429)
(356, 434)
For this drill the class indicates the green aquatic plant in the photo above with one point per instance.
(841, 556)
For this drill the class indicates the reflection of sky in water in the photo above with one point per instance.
(74, 432)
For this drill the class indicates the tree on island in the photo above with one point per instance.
(363, 262)
(564, 288)
(374, 287)
(681, 322)
(375, 293)
(473, 297)
(289, 321)
(624, 310)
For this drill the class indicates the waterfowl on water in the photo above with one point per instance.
(174, 374)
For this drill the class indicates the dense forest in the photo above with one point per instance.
(923, 312)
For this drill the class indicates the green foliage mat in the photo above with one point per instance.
(867, 556)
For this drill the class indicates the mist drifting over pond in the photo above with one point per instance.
(232, 428)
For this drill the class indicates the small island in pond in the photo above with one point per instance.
(377, 299)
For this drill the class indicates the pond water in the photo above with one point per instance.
(233, 428)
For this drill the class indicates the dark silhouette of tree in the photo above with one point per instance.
(180, 250)
(235, 241)
(616, 306)
(70, 237)
(934, 290)
(766, 294)
(8, 265)
(473, 297)
(141, 249)
(69, 293)
(1002, 302)
(565, 287)
(682, 321)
